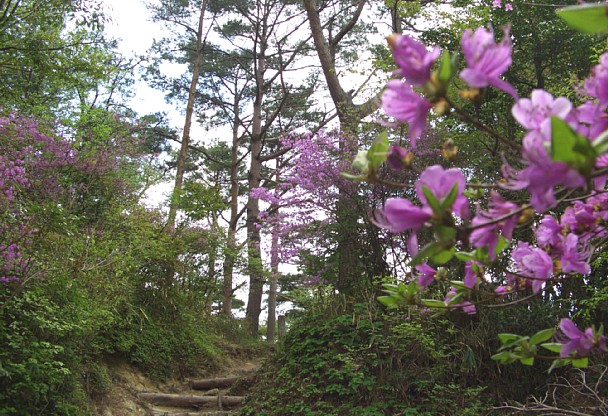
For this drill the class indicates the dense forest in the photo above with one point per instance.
(427, 210)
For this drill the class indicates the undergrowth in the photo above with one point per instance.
(365, 361)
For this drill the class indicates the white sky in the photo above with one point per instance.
(130, 24)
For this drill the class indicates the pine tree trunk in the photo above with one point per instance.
(254, 266)
(230, 256)
(183, 151)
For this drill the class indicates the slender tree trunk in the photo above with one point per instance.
(256, 276)
(183, 152)
(212, 277)
(230, 256)
(274, 272)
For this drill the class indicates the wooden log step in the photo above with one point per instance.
(213, 383)
(183, 400)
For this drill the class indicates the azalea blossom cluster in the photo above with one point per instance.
(563, 148)
(306, 192)
(39, 171)
(12, 180)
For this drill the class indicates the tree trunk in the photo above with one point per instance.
(350, 116)
(254, 266)
(230, 256)
(274, 277)
(183, 151)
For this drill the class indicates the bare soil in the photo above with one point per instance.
(128, 382)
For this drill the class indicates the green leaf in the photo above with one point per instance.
(458, 284)
(445, 234)
(580, 362)
(445, 68)
(587, 18)
(464, 256)
(570, 147)
(504, 338)
(357, 178)
(542, 336)
(388, 301)
(444, 256)
(527, 361)
(502, 244)
(433, 303)
(448, 200)
(427, 251)
(558, 363)
(432, 200)
(552, 346)
(458, 298)
(504, 357)
(378, 152)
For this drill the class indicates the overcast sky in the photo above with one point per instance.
(130, 24)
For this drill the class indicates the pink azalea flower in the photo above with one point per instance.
(401, 215)
(400, 101)
(487, 236)
(427, 275)
(592, 119)
(496, 4)
(413, 59)
(580, 343)
(542, 174)
(532, 113)
(534, 263)
(502, 291)
(396, 157)
(440, 182)
(599, 182)
(466, 306)
(574, 260)
(470, 276)
(486, 60)
(596, 85)
(549, 232)
(508, 7)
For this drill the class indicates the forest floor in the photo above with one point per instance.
(127, 382)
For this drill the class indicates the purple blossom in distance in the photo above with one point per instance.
(470, 275)
(486, 60)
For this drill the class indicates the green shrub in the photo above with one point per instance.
(361, 363)
(35, 377)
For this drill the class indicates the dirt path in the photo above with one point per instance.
(133, 394)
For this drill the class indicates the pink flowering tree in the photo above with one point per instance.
(46, 179)
(302, 203)
(476, 256)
